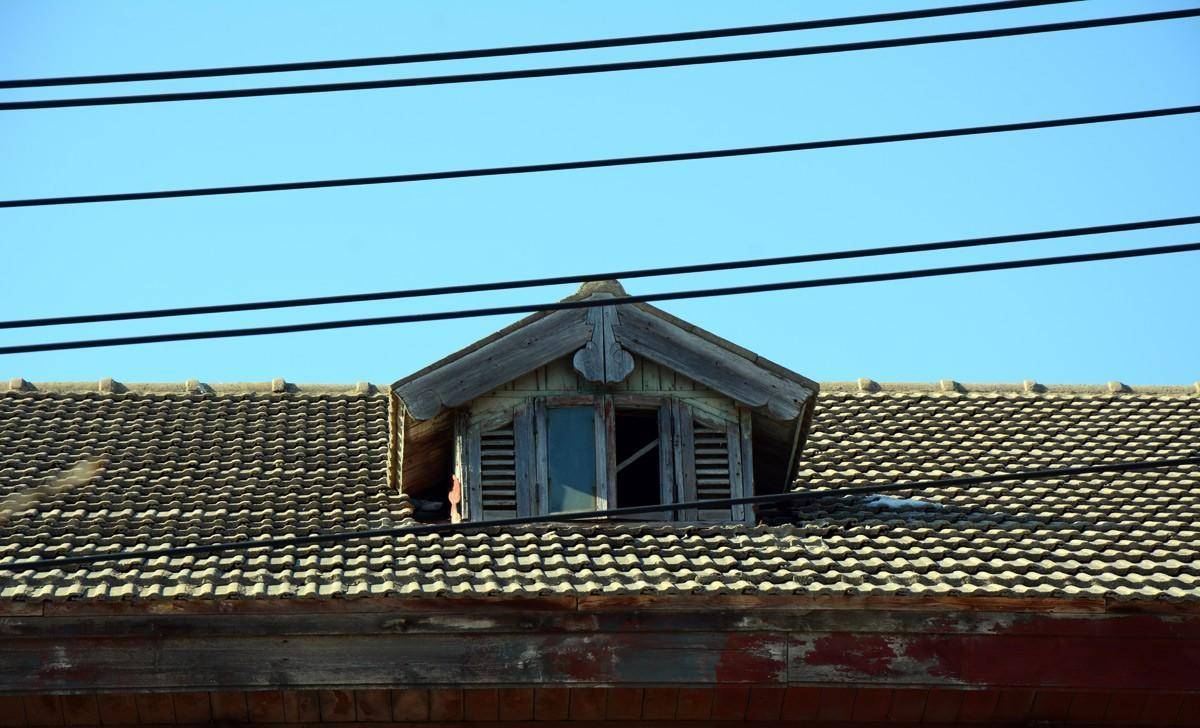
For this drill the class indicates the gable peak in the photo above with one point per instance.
(591, 288)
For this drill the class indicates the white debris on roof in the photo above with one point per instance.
(888, 501)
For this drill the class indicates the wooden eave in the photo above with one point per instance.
(780, 641)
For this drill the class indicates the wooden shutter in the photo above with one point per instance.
(711, 456)
(497, 473)
(498, 458)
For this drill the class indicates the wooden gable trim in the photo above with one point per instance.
(601, 341)
(498, 361)
(716, 367)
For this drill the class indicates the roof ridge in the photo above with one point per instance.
(1028, 386)
(108, 385)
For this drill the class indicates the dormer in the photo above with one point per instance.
(615, 405)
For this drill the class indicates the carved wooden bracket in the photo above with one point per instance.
(602, 360)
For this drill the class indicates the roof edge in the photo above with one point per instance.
(949, 386)
(189, 387)
(279, 386)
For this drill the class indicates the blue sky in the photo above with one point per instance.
(1134, 321)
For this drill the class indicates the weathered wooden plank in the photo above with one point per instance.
(494, 363)
(1086, 653)
(460, 506)
(709, 364)
(686, 602)
(457, 619)
(666, 459)
(618, 363)
(684, 451)
(609, 454)
(526, 456)
(349, 661)
(995, 660)
(606, 483)
(746, 448)
(472, 488)
(734, 444)
(541, 459)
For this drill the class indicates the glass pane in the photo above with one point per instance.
(571, 460)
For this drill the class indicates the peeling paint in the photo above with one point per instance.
(853, 654)
(751, 658)
(583, 659)
(462, 621)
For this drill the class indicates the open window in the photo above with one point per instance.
(595, 452)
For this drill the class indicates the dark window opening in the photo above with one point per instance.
(637, 458)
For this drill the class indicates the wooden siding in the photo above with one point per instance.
(559, 378)
(614, 641)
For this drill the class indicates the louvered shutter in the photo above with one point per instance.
(498, 473)
(498, 460)
(713, 480)
(712, 464)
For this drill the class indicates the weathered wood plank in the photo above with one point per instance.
(995, 660)
(541, 460)
(709, 364)
(472, 488)
(618, 363)
(746, 441)
(460, 506)
(606, 486)
(872, 648)
(526, 457)
(684, 451)
(395, 660)
(666, 459)
(458, 620)
(495, 363)
(734, 444)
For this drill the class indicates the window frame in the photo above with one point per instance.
(666, 460)
(676, 453)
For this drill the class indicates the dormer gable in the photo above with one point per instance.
(599, 407)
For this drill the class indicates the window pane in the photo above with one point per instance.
(571, 460)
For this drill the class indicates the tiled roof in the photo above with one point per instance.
(176, 467)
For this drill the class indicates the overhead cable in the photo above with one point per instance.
(473, 526)
(521, 50)
(593, 303)
(609, 162)
(599, 67)
(609, 275)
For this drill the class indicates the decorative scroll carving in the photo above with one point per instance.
(602, 360)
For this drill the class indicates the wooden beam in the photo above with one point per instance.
(455, 642)
(634, 457)
(480, 370)
(711, 365)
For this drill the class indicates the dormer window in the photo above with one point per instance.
(590, 409)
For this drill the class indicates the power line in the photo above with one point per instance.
(435, 528)
(610, 275)
(531, 49)
(609, 162)
(600, 67)
(592, 303)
